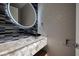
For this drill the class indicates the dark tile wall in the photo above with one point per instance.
(9, 31)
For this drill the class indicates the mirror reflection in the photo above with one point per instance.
(23, 13)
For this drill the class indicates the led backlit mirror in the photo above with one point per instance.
(22, 14)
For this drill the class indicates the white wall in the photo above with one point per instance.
(27, 15)
(40, 20)
(59, 24)
(14, 12)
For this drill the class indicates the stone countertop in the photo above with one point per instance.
(23, 47)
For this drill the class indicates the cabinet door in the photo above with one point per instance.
(77, 28)
(59, 24)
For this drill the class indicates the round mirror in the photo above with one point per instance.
(22, 14)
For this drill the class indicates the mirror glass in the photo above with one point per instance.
(22, 14)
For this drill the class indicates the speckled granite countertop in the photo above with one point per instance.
(23, 47)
